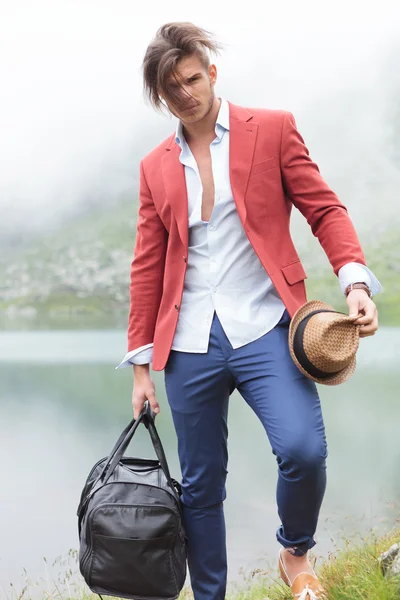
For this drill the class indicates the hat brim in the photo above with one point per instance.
(336, 378)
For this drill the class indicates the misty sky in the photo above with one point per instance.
(74, 124)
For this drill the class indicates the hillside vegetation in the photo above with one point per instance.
(78, 276)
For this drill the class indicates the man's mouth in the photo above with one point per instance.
(188, 109)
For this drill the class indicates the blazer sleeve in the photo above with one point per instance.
(308, 191)
(147, 269)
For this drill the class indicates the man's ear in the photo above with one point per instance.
(212, 72)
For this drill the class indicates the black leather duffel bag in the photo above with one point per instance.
(132, 540)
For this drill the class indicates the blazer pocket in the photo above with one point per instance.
(294, 272)
(265, 165)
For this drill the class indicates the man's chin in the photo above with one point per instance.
(191, 116)
(188, 115)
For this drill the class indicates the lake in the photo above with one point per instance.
(63, 404)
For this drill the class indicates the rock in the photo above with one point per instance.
(395, 568)
(390, 561)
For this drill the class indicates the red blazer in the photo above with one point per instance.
(270, 170)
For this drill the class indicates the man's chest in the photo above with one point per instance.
(207, 175)
(202, 164)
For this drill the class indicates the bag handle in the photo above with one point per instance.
(127, 432)
(117, 445)
(157, 445)
(147, 417)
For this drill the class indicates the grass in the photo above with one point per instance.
(352, 573)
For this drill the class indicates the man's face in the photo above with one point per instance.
(193, 88)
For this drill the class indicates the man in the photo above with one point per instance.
(214, 282)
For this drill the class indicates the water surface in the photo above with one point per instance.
(62, 405)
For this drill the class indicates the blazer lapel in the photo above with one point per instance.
(242, 136)
(175, 188)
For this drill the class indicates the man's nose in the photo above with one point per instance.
(184, 92)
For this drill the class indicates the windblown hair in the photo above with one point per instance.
(172, 42)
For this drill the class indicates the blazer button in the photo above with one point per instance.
(184, 259)
(176, 306)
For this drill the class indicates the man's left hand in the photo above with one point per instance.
(360, 303)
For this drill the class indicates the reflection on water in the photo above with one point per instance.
(62, 405)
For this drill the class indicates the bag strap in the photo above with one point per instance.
(111, 454)
(126, 433)
(147, 417)
(98, 482)
(158, 447)
(116, 446)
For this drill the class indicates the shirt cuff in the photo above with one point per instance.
(139, 356)
(357, 273)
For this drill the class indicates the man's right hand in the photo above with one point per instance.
(143, 389)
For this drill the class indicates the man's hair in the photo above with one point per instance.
(172, 42)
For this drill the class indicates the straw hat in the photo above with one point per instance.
(323, 343)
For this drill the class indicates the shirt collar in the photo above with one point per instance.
(222, 122)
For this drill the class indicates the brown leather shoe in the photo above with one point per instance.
(305, 586)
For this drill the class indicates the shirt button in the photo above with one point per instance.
(211, 228)
(213, 259)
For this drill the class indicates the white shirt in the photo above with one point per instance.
(223, 272)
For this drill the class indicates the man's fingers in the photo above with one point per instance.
(138, 403)
(368, 317)
(137, 407)
(155, 407)
(364, 312)
(370, 328)
(367, 330)
(364, 320)
(364, 334)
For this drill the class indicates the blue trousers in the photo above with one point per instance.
(198, 388)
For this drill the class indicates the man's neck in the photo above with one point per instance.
(204, 129)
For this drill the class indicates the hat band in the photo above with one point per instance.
(298, 348)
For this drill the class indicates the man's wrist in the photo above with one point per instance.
(140, 370)
(357, 286)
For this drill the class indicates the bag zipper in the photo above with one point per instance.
(93, 512)
(145, 460)
(152, 468)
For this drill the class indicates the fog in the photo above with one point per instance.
(74, 123)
